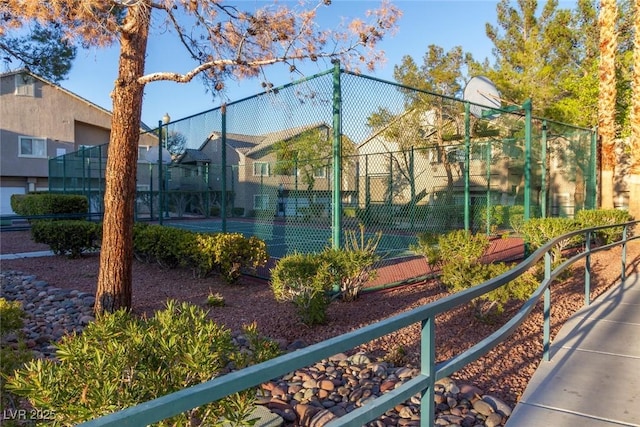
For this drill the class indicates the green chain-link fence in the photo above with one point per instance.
(300, 164)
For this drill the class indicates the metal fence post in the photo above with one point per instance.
(592, 181)
(337, 158)
(160, 180)
(527, 159)
(467, 178)
(223, 167)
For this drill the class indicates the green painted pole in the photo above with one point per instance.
(337, 158)
(527, 159)
(488, 202)
(467, 148)
(592, 182)
(160, 180)
(543, 148)
(223, 160)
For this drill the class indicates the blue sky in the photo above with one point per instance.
(446, 23)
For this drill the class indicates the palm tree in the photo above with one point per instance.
(607, 98)
(634, 119)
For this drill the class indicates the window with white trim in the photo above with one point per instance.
(25, 85)
(320, 172)
(261, 169)
(261, 201)
(32, 147)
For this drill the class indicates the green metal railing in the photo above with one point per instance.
(423, 384)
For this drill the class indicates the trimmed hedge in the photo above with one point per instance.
(49, 204)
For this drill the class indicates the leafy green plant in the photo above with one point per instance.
(121, 360)
(598, 217)
(458, 255)
(49, 204)
(70, 238)
(353, 266)
(13, 355)
(303, 279)
(538, 231)
(215, 300)
(229, 253)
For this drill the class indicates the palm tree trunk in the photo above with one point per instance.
(116, 255)
(607, 98)
(634, 178)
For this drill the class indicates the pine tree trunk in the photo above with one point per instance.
(116, 255)
(607, 98)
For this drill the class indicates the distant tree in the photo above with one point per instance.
(222, 40)
(176, 143)
(607, 98)
(310, 151)
(44, 51)
(533, 50)
(428, 120)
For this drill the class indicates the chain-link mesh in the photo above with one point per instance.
(409, 161)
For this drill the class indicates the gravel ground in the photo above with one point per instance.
(504, 372)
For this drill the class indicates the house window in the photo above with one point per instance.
(320, 172)
(260, 169)
(261, 201)
(142, 153)
(25, 85)
(32, 147)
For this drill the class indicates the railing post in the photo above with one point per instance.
(623, 273)
(547, 308)
(427, 367)
(587, 271)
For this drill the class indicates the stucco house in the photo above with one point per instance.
(258, 180)
(40, 120)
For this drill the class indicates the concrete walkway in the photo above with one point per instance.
(593, 377)
(26, 255)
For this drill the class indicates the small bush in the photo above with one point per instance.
(538, 231)
(353, 265)
(458, 254)
(70, 238)
(303, 279)
(121, 360)
(598, 217)
(237, 211)
(49, 204)
(230, 254)
(13, 355)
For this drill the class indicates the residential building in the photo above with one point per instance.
(40, 120)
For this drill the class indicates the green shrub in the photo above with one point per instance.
(514, 216)
(230, 254)
(70, 238)
(12, 355)
(121, 360)
(49, 204)
(496, 217)
(350, 212)
(458, 254)
(214, 211)
(598, 217)
(303, 279)
(538, 231)
(352, 266)
(237, 211)
(168, 246)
